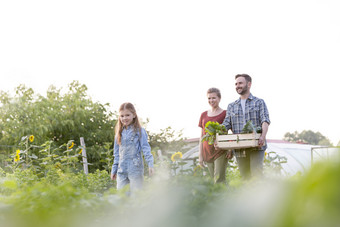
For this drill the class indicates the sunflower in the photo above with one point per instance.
(72, 144)
(176, 156)
(81, 151)
(17, 156)
(31, 138)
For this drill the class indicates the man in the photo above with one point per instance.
(246, 108)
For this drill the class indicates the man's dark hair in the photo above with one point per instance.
(246, 76)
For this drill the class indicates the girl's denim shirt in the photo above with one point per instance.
(140, 139)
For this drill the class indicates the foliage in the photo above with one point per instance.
(211, 129)
(53, 200)
(106, 157)
(307, 136)
(57, 117)
(314, 200)
(250, 128)
(51, 205)
(273, 161)
(166, 140)
(66, 198)
(39, 159)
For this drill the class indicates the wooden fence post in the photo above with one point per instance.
(82, 143)
(159, 152)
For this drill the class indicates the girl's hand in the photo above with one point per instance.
(151, 172)
(113, 176)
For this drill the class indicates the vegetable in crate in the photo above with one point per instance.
(250, 128)
(211, 129)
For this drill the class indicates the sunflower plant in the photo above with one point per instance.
(70, 157)
(176, 156)
(176, 161)
(17, 156)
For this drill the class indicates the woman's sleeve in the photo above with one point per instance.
(146, 148)
(116, 157)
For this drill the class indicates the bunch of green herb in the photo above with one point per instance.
(211, 129)
(250, 128)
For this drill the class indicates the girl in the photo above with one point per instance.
(130, 141)
(215, 159)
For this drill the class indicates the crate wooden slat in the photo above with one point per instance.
(237, 141)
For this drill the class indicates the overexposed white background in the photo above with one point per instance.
(163, 56)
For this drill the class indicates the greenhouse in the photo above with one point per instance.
(299, 156)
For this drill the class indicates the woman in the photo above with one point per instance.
(215, 159)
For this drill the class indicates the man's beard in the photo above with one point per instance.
(243, 91)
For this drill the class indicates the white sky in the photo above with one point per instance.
(163, 56)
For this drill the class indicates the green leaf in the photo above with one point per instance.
(211, 129)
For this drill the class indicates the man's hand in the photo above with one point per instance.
(113, 176)
(262, 140)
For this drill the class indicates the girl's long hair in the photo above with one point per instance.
(135, 123)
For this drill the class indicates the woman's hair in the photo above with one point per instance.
(135, 122)
(214, 90)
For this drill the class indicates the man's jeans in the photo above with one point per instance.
(250, 164)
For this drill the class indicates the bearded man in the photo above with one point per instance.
(248, 108)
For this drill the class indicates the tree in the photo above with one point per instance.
(307, 136)
(57, 117)
(167, 140)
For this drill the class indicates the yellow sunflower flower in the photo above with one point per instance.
(72, 144)
(176, 156)
(17, 156)
(31, 138)
(81, 151)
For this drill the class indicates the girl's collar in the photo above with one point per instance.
(128, 127)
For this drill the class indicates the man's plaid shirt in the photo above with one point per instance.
(255, 110)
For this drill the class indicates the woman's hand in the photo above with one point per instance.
(200, 161)
(113, 176)
(217, 148)
(229, 154)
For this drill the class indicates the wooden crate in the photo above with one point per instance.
(238, 141)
